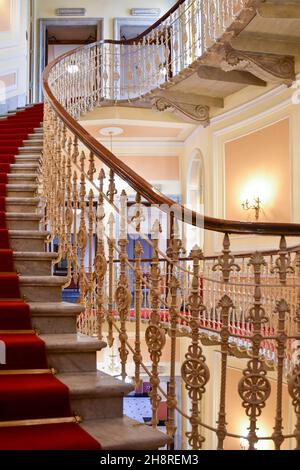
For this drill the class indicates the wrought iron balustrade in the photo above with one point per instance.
(245, 305)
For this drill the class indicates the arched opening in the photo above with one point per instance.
(195, 197)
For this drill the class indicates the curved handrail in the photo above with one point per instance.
(150, 28)
(143, 187)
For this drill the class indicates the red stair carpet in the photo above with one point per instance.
(28, 390)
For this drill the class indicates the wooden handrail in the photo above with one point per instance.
(155, 25)
(143, 187)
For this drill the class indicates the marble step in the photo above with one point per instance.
(72, 352)
(42, 288)
(36, 135)
(24, 167)
(21, 178)
(23, 221)
(32, 150)
(55, 317)
(125, 434)
(33, 143)
(28, 159)
(96, 395)
(21, 190)
(28, 240)
(28, 263)
(22, 204)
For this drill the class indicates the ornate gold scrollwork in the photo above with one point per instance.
(226, 261)
(254, 387)
(195, 112)
(194, 370)
(122, 293)
(155, 335)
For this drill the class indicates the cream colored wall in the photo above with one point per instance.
(13, 47)
(100, 8)
(274, 106)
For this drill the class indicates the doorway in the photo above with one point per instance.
(60, 35)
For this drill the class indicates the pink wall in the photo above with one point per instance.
(263, 155)
(154, 168)
(4, 15)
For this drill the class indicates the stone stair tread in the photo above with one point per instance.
(125, 434)
(43, 280)
(28, 233)
(94, 384)
(23, 216)
(55, 308)
(24, 187)
(30, 201)
(20, 159)
(21, 176)
(25, 165)
(31, 147)
(33, 255)
(72, 342)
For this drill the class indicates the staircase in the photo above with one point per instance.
(96, 398)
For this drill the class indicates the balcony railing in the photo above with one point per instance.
(246, 305)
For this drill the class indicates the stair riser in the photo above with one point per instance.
(27, 159)
(35, 267)
(54, 324)
(23, 169)
(33, 143)
(33, 150)
(27, 244)
(97, 408)
(13, 207)
(21, 193)
(26, 179)
(39, 293)
(36, 136)
(23, 224)
(72, 362)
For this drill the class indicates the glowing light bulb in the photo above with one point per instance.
(72, 68)
(258, 188)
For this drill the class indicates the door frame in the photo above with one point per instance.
(129, 21)
(44, 23)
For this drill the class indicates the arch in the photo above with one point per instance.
(195, 196)
(195, 178)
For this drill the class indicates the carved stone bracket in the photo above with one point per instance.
(265, 66)
(191, 112)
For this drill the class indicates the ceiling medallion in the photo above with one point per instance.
(111, 131)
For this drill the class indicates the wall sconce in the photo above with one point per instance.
(256, 195)
(255, 205)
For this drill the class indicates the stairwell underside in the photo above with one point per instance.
(249, 54)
